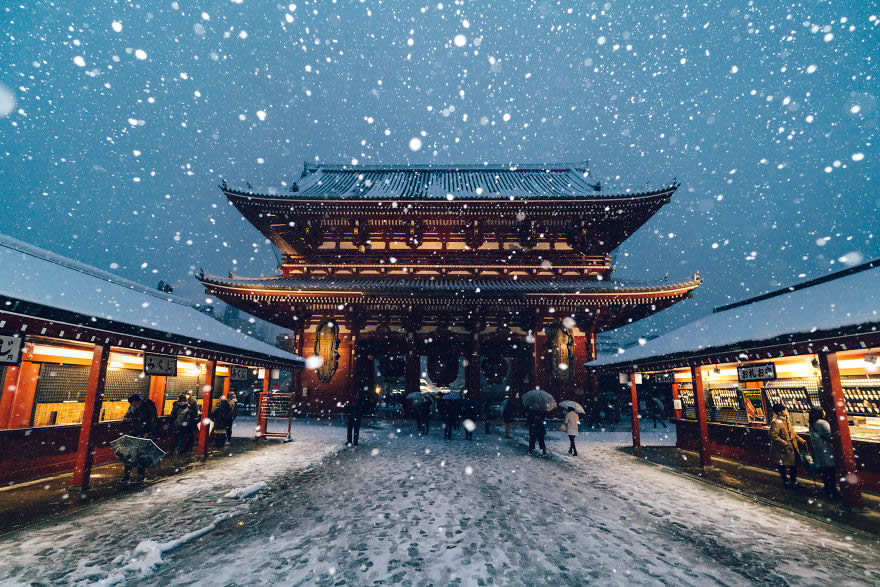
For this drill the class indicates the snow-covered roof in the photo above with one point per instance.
(40, 277)
(442, 182)
(845, 305)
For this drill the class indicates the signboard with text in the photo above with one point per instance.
(668, 377)
(165, 365)
(757, 372)
(237, 373)
(10, 349)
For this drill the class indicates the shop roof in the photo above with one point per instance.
(441, 182)
(833, 306)
(45, 280)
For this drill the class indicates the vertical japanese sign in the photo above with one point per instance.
(165, 365)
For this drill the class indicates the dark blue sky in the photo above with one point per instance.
(127, 116)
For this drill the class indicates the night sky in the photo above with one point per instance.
(118, 120)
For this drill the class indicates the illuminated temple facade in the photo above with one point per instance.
(502, 271)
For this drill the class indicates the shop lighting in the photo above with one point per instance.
(62, 352)
(869, 358)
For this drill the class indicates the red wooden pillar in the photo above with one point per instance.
(413, 371)
(206, 408)
(263, 406)
(537, 355)
(676, 401)
(355, 327)
(634, 398)
(472, 374)
(7, 395)
(85, 452)
(831, 396)
(700, 404)
(157, 392)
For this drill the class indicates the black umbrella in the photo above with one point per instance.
(539, 401)
(139, 452)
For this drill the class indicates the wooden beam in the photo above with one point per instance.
(634, 401)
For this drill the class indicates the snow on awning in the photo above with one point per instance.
(849, 304)
(34, 275)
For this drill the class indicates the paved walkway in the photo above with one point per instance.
(402, 509)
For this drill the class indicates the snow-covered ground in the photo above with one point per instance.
(405, 509)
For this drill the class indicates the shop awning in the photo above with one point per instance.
(41, 284)
(840, 305)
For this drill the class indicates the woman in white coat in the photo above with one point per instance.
(571, 427)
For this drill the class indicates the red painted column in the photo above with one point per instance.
(700, 404)
(634, 399)
(676, 398)
(85, 452)
(413, 371)
(537, 354)
(7, 395)
(831, 396)
(206, 408)
(157, 392)
(473, 369)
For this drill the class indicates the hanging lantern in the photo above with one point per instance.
(494, 368)
(442, 369)
(392, 368)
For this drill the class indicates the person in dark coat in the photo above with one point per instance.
(181, 424)
(823, 451)
(450, 416)
(537, 431)
(222, 417)
(469, 415)
(140, 421)
(195, 413)
(424, 410)
(507, 416)
(354, 412)
(233, 405)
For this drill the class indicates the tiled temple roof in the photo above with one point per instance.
(442, 182)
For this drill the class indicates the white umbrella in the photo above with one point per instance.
(539, 400)
(570, 404)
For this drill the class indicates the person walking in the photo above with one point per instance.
(785, 445)
(507, 416)
(571, 428)
(354, 412)
(823, 451)
(222, 417)
(140, 420)
(469, 418)
(425, 410)
(450, 417)
(657, 412)
(181, 422)
(233, 413)
(537, 432)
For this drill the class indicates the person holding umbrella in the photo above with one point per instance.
(355, 411)
(537, 431)
(450, 415)
(141, 420)
(571, 428)
(537, 403)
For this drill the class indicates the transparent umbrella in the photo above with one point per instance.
(539, 401)
(140, 452)
(570, 404)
